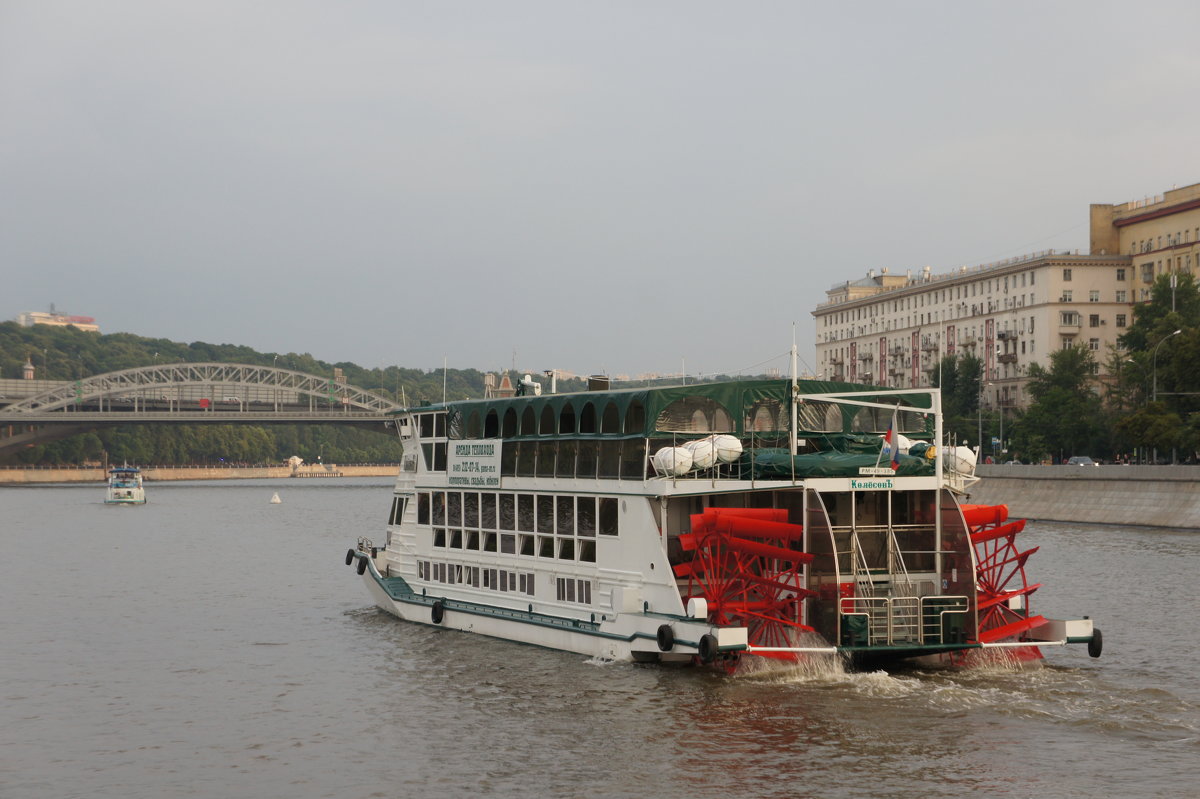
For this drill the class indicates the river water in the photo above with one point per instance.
(210, 644)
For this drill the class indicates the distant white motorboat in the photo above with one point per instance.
(275, 500)
(125, 486)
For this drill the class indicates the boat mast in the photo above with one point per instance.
(792, 443)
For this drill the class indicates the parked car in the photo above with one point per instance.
(1081, 460)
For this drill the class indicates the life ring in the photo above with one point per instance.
(349, 556)
(708, 648)
(437, 612)
(666, 638)
(362, 565)
(1096, 645)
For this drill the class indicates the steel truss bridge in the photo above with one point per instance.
(189, 393)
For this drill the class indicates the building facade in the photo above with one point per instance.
(892, 329)
(31, 318)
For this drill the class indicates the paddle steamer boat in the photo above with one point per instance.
(712, 523)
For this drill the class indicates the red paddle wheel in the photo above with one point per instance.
(1000, 576)
(744, 568)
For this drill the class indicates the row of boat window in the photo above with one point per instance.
(551, 514)
(568, 589)
(476, 577)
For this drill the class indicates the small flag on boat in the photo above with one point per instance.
(889, 443)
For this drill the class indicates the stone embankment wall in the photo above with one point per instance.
(162, 473)
(1155, 496)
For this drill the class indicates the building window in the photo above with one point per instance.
(1094, 344)
(1067, 296)
(1120, 320)
(1066, 275)
(1121, 296)
(1093, 296)
(1121, 273)
(1094, 320)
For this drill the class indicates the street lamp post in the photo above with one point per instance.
(1154, 362)
(1154, 371)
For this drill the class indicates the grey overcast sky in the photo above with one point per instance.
(616, 186)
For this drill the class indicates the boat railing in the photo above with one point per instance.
(900, 620)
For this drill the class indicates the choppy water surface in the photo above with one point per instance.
(210, 644)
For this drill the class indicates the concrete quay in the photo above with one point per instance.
(1151, 496)
(70, 474)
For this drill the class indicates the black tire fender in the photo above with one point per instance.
(708, 648)
(1096, 645)
(349, 556)
(362, 565)
(666, 638)
(437, 612)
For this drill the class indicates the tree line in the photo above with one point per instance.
(67, 353)
(1148, 406)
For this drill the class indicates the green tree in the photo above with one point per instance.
(1064, 418)
(959, 379)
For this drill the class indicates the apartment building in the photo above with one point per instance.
(892, 329)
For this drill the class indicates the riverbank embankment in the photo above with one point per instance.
(83, 474)
(1154, 496)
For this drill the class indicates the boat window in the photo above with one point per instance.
(526, 458)
(487, 507)
(508, 544)
(546, 428)
(508, 512)
(586, 516)
(585, 467)
(635, 417)
(472, 539)
(566, 458)
(566, 548)
(611, 421)
(439, 537)
(566, 419)
(474, 429)
(510, 423)
(525, 513)
(489, 542)
(456, 539)
(587, 418)
(439, 507)
(508, 459)
(608, 515)
(423, 508)
(694, 415)
(545, 546)
(587, 551)
(820, 417)
(426, 422)
(439, 425)
(491, 425)
(545, 461)
(454, 424)
(528, 422)
(610, 460)
(633, 459)
(470, 509)
(766, 416)
(545, 513)
(439, 457)
(565, 515)
(454, 508)
(525, 543)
